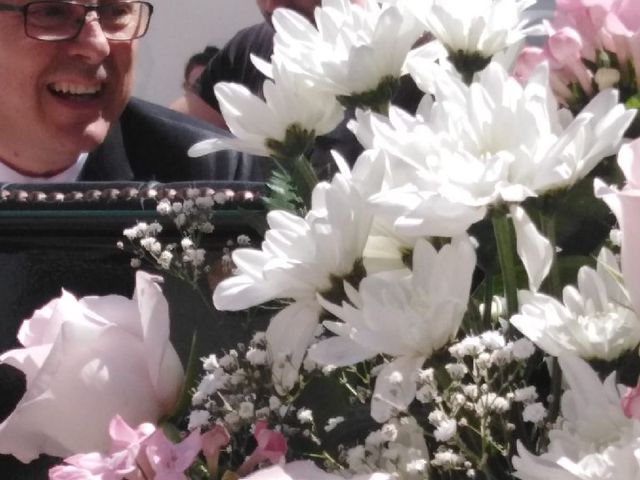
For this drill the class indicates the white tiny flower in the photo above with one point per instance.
(426, 394)
(274, 402)
(246, 410)
(154, 228)
(305, 415)
(471, 391)
(426, 376)
(523, 349)
(490, 402)
(534, 413)
(492, 340)
(446, 430)
(198, 398)
(483, 362)
(212, 382)
(135, 263)
(120, 245)
(526, 394)
(210, 363)
(164, 207)
(457, 400)
(457, 371)
(227, 361)
(243, 241)
(447, 458)
(437, 417)
(468, 346)
(257, 356)
(333, 423)
(418, 465)
(356, 457)
(186, 243)
(502, 356)
(165, 260)
(198, 419)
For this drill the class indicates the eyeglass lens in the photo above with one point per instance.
(55, 20)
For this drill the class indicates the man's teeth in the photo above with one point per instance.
(75, 89)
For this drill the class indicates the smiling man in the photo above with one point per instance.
(65, 108)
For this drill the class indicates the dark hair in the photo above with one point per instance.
(199, 58)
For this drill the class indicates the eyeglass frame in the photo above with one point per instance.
(23, 9)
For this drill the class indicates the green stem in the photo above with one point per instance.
(556, 391)
(505, 242)
(548, 229)
(190, 376)
(304, 178)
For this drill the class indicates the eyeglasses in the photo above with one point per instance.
(55, 21)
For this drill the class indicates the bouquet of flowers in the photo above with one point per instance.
(454, 303)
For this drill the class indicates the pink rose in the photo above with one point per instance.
(86, 361)
(625, 204)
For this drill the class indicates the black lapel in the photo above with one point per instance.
(109, 161)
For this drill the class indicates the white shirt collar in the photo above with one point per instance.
(9, 175)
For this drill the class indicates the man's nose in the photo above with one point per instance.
(91, 43)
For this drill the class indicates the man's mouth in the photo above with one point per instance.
(76, 91)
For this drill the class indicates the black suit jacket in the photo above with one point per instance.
(150, 142)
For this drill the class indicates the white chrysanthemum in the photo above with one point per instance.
(404, 314)
(299, 258)
(595, 321)
(467, 150)
(483, 27)
(353, 47)
(290, 102)
(594, 440)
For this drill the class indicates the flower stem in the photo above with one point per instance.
(547, 223)
(548, 229)
(304, 178)
(505, 243)
(184, 400)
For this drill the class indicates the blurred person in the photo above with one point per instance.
(233, 64)
(196, 64)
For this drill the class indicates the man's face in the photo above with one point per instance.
(59, 98)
